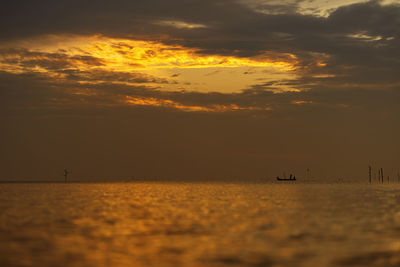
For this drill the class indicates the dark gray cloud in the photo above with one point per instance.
(371, 17)
(26, 59)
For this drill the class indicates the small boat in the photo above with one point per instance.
(285, 179)
(291, 178)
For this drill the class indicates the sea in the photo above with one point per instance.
(199, 224)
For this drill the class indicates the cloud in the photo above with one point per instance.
(38, 91)
(231, 28)
(356, 45)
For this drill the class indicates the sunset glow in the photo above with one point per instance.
(219, 88)
(166, 103)
(164, 67)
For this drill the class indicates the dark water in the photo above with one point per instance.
(199, 224)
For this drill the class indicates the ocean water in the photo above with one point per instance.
(199, 224)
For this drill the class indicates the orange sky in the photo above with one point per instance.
(209, 89)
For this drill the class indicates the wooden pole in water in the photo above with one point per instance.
(379, 175)
(65, 175)
(370, 173)
(382, 174)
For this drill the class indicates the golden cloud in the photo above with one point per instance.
(129, 55)
(167, 103)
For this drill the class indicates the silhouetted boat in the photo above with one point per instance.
(286, 179)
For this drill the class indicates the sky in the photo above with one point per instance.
(199, 90)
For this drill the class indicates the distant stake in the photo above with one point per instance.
(65, 175)
(380, 176)
(370, 173)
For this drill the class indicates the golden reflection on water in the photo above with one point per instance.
(197, 224)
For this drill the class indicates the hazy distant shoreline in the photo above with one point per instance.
(250, 181)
